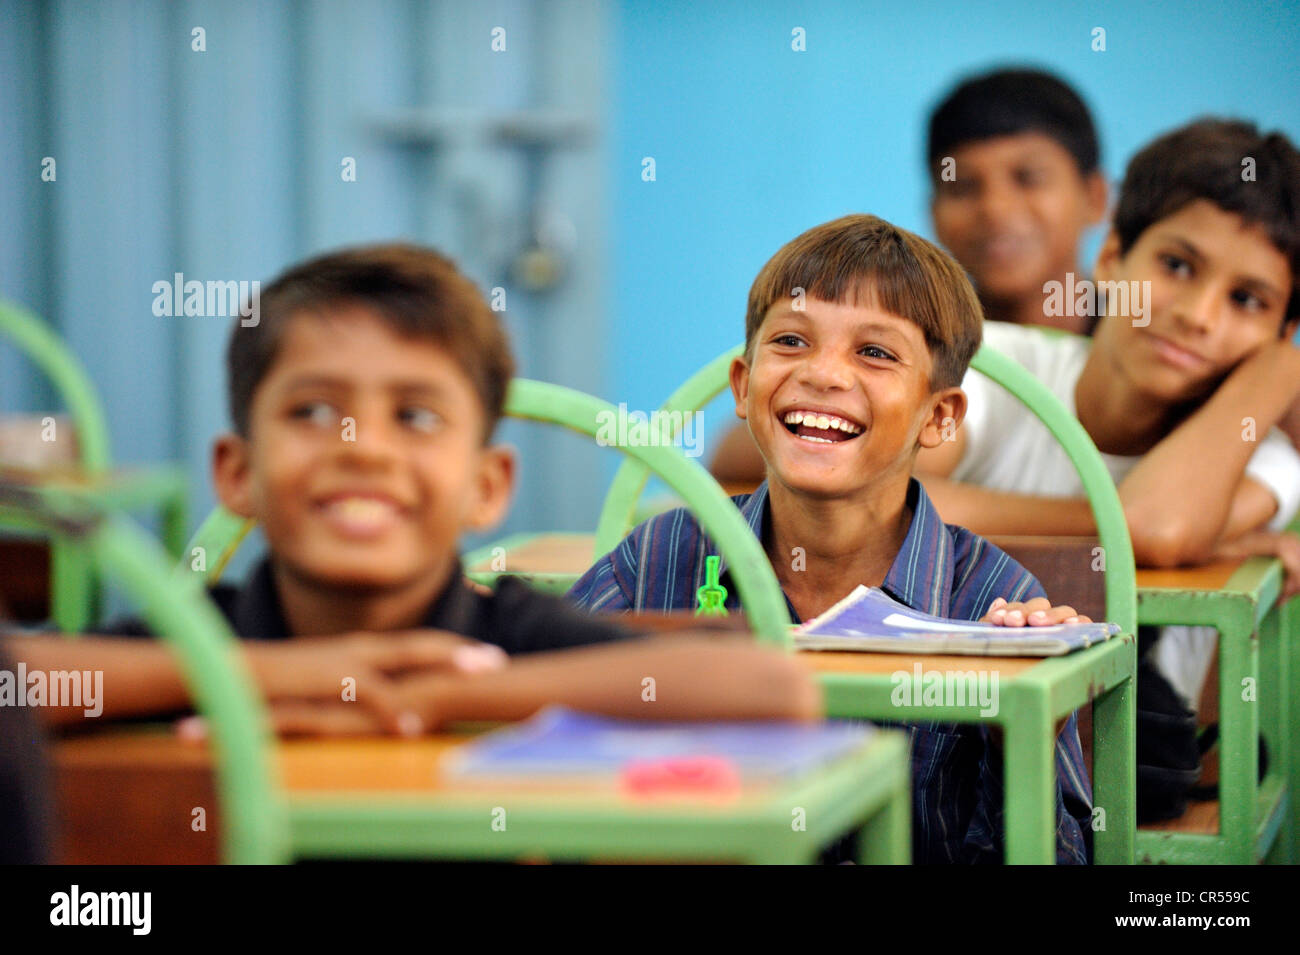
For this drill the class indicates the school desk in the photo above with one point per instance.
(860, 685)
(1031, 695)
(72, 582)
(550, 562)
(129, 795)
(1259, 676)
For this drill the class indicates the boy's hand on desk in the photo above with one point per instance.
(1038, 612)
(306, 718)
(350, 683)
(1280, 544)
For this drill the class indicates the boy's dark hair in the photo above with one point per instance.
(1010, 101)
(1206, 159)
(415, 291)
(898, 271)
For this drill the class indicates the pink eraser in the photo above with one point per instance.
(684, 775)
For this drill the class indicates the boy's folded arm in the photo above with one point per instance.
(1283, 545)
(679, 678)
(1252, 508)
(1215, 443)
(1290, 423)
(988, 512)
(140, 677)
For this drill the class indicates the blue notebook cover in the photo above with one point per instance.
(869, 619)
(559, 742)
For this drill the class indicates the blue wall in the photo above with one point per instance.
(754, 142)
(225, 164)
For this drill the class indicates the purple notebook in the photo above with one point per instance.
(560, 742)
(869, 619)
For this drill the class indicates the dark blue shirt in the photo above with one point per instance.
(941, 569)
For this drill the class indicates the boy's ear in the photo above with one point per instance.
(947, 409)
(494, 486)
(1098, 193)
(232, 474)
(740, 385)
(1108, 258)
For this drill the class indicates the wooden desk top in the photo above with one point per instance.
(369, 765)
(884, 664)
(546, 554)
(1209, 577)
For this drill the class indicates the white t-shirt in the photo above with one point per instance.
(1009, 449)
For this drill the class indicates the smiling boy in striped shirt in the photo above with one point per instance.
(857, 335)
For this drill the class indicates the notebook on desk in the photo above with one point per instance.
(868, 619)
(560, 744)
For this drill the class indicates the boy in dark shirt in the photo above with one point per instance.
(364, 397)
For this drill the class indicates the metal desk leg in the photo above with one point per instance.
(1114, 769)
(886, 839)
(1030, 812)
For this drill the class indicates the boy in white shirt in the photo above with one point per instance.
(1180, 391)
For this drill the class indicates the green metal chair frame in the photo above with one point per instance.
(618, 514)
(1098, 485)
(619, 511)
(760, 593)
(255, 825)
(74, 587)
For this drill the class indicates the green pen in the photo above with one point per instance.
(712, 596)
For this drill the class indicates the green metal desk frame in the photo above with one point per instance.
(869, 789)
(74, 588)
(1259, 646)
(618, 513)
(256, 827)
(549, 582)
(1029, 703)
(72, 570)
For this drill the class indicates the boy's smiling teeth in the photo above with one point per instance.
(820, 428)
(356, 514)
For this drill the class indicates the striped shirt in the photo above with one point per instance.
(941, 569)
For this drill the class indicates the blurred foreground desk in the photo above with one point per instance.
(129, 796)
